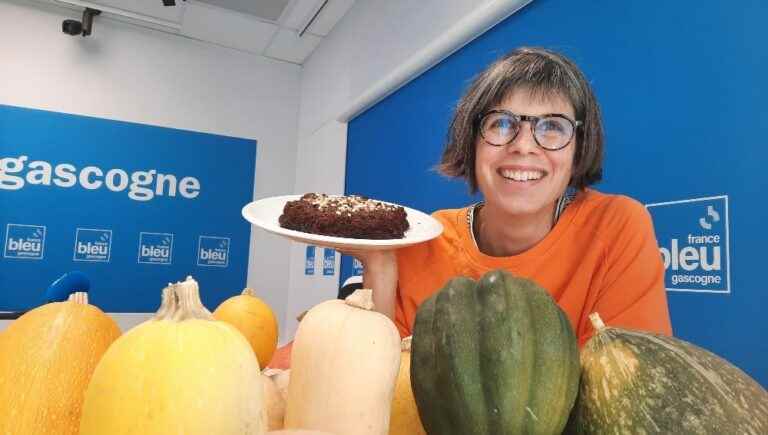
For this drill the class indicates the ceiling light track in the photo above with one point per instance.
(312, 20)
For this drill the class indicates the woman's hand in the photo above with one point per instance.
(379, 274)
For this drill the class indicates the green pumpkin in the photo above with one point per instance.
(496, 356)
(638, 382)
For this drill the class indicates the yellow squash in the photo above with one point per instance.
(298, 432)
(404, 419)
(47, 358)
(254, 319)
(180, 373)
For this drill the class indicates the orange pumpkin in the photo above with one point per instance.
(254, 319)
(48, 357)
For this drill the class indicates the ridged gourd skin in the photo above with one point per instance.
(638, 382)
(497, 356)
(254, 319)
(180, 374)
(404, 418)
(343, 368)
(47, 358)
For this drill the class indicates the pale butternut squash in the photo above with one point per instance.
(48, 357)
(274, 403)
(343, 368)
(254, 319)
(180, 373)
(281, 378)
(404, 419)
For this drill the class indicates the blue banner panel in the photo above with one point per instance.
(132, 206)
(682, 91)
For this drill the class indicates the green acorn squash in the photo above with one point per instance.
(638, 382)
(496, 356)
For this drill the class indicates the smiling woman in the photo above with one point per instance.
(528, 135)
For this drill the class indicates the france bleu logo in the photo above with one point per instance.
(329, 261)
(213, 251)
(309, 262)
(694, 243)
(155, 248)
(357, 266)
(26, 242)
(92, 245)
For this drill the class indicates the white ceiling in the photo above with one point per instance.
(266, 9)
(265, 27)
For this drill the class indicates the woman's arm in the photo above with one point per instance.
(379, 274)
(633, 293)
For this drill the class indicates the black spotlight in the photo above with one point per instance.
(84, 27)
(72, 27)
(170, 2)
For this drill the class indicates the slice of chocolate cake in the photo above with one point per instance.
(344, 216)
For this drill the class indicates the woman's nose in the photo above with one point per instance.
(524, 142)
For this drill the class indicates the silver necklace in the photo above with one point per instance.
(562, 203)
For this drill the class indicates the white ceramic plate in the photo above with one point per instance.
(265, 213)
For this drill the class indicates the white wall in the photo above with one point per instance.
(138, 75)
(319, 169)
(134, 74)
(373, 42)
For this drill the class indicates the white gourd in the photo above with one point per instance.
(344, 365)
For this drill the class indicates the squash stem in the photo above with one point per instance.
(79, 298)
(190, 306)
(249, 292)
(361, 298)
(597, 322)
(405, 344)
(167, 304)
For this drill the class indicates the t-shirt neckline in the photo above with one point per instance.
(537, 251)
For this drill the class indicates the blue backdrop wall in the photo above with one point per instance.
(683, 88)
(132, 206)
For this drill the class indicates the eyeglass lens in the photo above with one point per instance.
(551, 132)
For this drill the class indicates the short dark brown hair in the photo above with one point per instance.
(544, 73)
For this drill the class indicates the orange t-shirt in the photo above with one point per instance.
(282, 357)
(601, 256)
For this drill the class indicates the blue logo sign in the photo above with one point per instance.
(26, 242)
(329, 261)
(155, 248)
(92, 245)
(309, 263)
(357, 266)
(213, 251)
(694, 243)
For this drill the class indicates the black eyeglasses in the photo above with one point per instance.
(551, 132)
